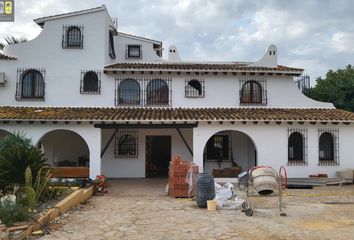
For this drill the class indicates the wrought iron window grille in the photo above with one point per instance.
(194, 88)
(72, 36)
(328, 146)
(253, 91)
(90, 82)
(303, 82)
(143, 91)
(128, 91)
(111, 51)
(126, 144)
(297, 147)
(133, 51)
(219, 148)
(30, 85)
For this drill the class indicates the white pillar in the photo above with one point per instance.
(94, 144)
(198, 149)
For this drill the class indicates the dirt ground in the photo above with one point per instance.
(140, 209)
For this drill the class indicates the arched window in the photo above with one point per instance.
(326, 147)
(126, 146)
(251, 92)
(74, 37)
(296, 147)
(157, 92)
(90, 83)
(194, 88)
(129, 92)
(32, 83)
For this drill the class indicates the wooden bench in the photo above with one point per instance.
(70, 172)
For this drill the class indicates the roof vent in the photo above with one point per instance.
(173, 54)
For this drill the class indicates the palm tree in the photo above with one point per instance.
(12, 40)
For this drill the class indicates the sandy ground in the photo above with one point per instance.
(140, 209)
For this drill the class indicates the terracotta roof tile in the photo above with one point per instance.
(200, 67)
(5, 57)
(173, 114)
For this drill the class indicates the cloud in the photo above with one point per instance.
(316, 35)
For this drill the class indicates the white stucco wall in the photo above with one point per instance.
(135, 167)
(272, 145)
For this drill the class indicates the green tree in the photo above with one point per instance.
(16, 154)
(337, 87)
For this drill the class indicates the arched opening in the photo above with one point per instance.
(296, 147)
(129, 92)
(251, 92)
(65, 148)
(3, 134)
(157, 92)
(230, 152)
(326, 147)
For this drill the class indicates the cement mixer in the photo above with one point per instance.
(264, 181)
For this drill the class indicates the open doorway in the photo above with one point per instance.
(158, 156)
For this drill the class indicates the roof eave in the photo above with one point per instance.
(42, 20)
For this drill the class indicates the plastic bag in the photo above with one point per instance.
(191, 179)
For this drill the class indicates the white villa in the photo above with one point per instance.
(92, 96)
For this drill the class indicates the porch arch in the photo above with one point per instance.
(64, 147)
(227, 148)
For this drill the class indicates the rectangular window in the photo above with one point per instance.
(90, 82)
(194, 88)
(328, 146)
(297, 147)
(72, 36)
(253, 91)
(30, 84)
(133, 51)
(126, 144)
(218, 147)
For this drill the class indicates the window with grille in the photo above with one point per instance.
(297, 146)
(126, 144)
(111, 51)
(133, 51)
(90, 82)
(194, 88)
(253, 91)
(30, 84)
(129, 92)
(142, 91)
(328, 146)
(72, 36)
(218, 147)
(157, 93)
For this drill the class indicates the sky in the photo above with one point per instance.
(316, 35)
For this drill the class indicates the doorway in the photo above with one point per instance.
(158, 156)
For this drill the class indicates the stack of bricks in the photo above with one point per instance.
(177, 177)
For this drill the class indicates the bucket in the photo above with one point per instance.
(264, 180)
(211, 205)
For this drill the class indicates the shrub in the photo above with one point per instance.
(16, 154)
(12, 212)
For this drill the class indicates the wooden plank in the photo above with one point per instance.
(70, 172)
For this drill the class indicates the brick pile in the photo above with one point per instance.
(177, 177)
